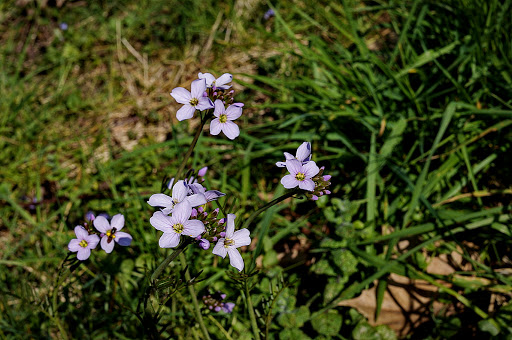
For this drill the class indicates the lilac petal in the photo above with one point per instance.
(74, 245)
(198, 86)
(212, 195)
(293, 166)
(210, 78)
(202, 171)
(219, 249)
(181, 212)
(288, 156)
(311, 169)
(204, 104)
(106, 246)
(204, 244)
(117, 222)
(181, 95)
(123, 238)
(197, 199)
(307, 184)
(80, 232)
(228, 307)
(169, 185)
(92, 241)
(101, 224)
(289, 181)
(219, 108)
(239, 104)
(223, 80)
(303, 151)
(160, 200)
(160, 222)
(83, 254)
(179, 191)
(281, 164)
(230, 225)
(193, 228)
(231, 130)
(233, 112)
(169, 240)
(197, 188)
(215, 126)
(235, 259)
(186, 112)
(241, 238)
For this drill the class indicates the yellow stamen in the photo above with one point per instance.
(194, 101)
(178, 228)
(228, 242)
(300, 176)
(223, 118)
(83, 243)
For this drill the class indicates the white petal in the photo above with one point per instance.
(106, 246)
(198, 87)
(230, 225)
(235, 259)
(233, 112)
(169, 240)
(101, 224)
(219, 249)
(219, 108)
(241, 238)
(179, 191)
(293, 166)
(160, 222)
(208, 77)
(83, 254)
(181, 212)
(307, 184)
(196, 199)
(288, 156)
(303, 151)
(204, 104)
(74, 245)
(81, 233)
(181, 95)
(289, 181)
(160, 200)
(215, 126)
(231, 130)
(193, 228)
(223, 80)
(310, 169)
(117, 222)
(186, 112)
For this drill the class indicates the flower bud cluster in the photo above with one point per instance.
(322, 184)
(215, 302)
(215, 227)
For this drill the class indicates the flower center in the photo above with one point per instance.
(111, 234)
(178, 228)
(223, 118)
(83, 243)
(194, 101)
(228, 242)
(300, 176)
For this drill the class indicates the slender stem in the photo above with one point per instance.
(255, 214)
(252, 316)
(193, 294)
(204, 119)
(168, 260)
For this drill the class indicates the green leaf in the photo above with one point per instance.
(328, 323)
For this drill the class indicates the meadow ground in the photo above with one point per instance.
(407, 104)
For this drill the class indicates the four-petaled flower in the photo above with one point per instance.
(83, 243)
(180, 193)
(219, 83)
(175, 225)
(300, 175)
(110, 232)
(303, 155)
(193, 100)
(232, 240)
(223, 122)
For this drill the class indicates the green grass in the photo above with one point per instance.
(407, 104)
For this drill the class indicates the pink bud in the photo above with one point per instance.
(320, 194)
(322, 168)
(327, 192)
(214, 93)
(194, 213)
(200, 209)
(314, 197)
(222, 234)
(202, 171)
(327, 177)
(223, 296)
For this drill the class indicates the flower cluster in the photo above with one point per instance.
(304, 173)
(184, 213)
(208, 93)
(216, 302)
(108, 233)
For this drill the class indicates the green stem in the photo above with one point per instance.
(255, 214)
(204, 119)
(168, 260)
(193, 294)
(252, 316)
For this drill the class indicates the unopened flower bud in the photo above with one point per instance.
(222, 234)
(89, 216)
(200, 209)
(202, 171)
(194, 213)
(327, 192)
(223, 296)
(204, 244)
(327, 177)
(314, 197)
